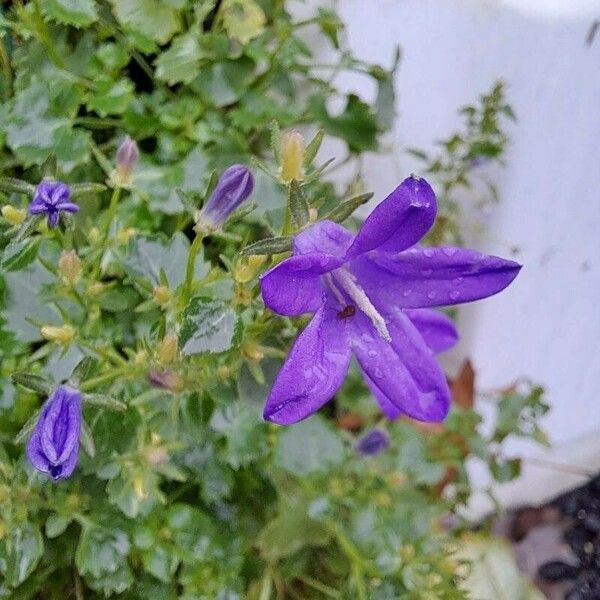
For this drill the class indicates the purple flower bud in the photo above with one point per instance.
(374, 442)
(51, 198)
(53, 447)
(234, 187)
(127, 159)
(166, 380)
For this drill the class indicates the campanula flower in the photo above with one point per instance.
(370, 294)
(234, 187)
(51, 198)
(53, 447)
(373, 442)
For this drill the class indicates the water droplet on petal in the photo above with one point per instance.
(406, 293)
(455, 294)
(379, 373)
(372, 353)
(449, 251)
(428, 252)
(458, 280)
(431, 295)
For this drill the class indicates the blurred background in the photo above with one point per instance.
(547, 325)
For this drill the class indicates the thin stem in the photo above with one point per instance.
(112, 211)
(95, 382)
(189, 271)
(319, 586)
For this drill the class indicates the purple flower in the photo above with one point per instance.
(371, 294)
(51, 198)
(234, 187)
(53, 447)
(127, 159)
(372, 443)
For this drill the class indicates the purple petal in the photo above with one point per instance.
(53, 219)
(405, 371)
(323, 237)
(398, 222)
(60, 192)
(437, 329)
(390, 410)
(36, 455)
(313, 372)
(37, 207)
(293, 286)
(424, 277)
(65, 469)
(68, 206)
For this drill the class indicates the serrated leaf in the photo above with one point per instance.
(154, 19)
(82, 371)
(70, 12)
(243, 20)
(274, 245)
(310, 446)
(344, 210)
(111, 97)
(36, 383)
(297, 204)
(17, 255)
(181, 62)
(20, 552)
(87, 440)
(208, 326)
(104, 401)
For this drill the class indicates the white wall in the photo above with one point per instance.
(547, 324)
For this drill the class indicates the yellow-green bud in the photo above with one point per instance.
(69, 267)
(252, 351)
(167, 350)
(15, 216)
(256, 260)
(94, 235)
(162, 295)
(292, 156)
(62, 335)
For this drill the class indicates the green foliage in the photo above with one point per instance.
(182, 490)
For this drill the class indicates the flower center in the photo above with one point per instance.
(342, 281)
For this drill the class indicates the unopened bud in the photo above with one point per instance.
(243, 272)
(252, 351)
(167, 350)
(15, 216)
(167, 380)
(69, 267)
(127, 158)
(94, 235)
(62, 335)
(223, 371)
(162, 295)
(256, 260)
(95, 289)
(292, 156)
(124, 234)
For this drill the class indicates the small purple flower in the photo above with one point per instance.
(234, 187)
(53, 447)
(374, 442)
(127, 159)
(371, 294)
(51, 198)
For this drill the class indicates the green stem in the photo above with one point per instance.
(320, 586)
(189, 271)
(112, 211)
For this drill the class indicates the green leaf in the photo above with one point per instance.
(87, 440)
(344, 210)
(56, 524)
(148, 255)
(27, 429)
(101, 558)
(11, 184)
(181, 62)
(243, 20)
(313, 148)
(17, 255)
(291, 531)
(154, 19)
(36, 383)
(310, 446)
(82, 371)
(276, 141)
(20, 552)
(223, 83)
(79, 13)
(208, 326)
(111, 97)
(274, 245)
(297, 204)
(357, 124)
